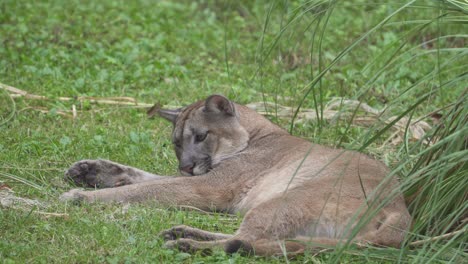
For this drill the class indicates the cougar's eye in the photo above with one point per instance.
(200, 137)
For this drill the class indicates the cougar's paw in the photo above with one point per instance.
(74, 196)
(173, 233)
(96, 173)
(172, 244)
(187, 245)
(181, 245)
(83, 173)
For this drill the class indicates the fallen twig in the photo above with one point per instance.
(8, 199)
(48, 215)
(432, 239)
(47, 111)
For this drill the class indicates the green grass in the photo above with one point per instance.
(409, 57)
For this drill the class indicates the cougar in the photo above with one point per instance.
(294, 195)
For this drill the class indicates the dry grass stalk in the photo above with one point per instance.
(336, 109)
(74, 112)
(343, 109)
(44, 110)
(16, 93)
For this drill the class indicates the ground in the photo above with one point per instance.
(407, 58)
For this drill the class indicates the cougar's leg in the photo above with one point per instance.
(275, 227)
(262, 247)
(106, 174)
(389, 231)
(285, 225)
(183, 231)
(205, 192)
(293, 223)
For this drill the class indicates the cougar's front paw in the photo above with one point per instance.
(97, 173)
(75, 195)
(83, 173)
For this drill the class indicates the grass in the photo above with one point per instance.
(407, 57)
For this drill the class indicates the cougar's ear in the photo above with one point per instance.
(170, 115)
(219, 104)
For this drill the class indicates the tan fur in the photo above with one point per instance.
(295, 195)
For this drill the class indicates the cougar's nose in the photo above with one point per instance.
(188, 168)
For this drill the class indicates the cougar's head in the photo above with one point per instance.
(206, 133)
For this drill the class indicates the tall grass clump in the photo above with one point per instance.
(436, 183)
(408, 59)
